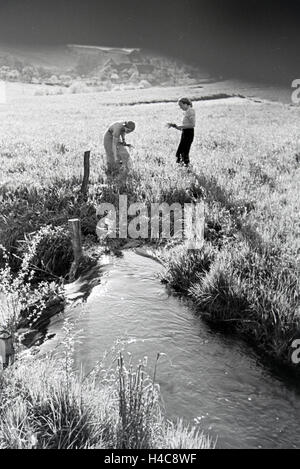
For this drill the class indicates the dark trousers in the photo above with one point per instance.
(183, 152)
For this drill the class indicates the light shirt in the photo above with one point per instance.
(117, 130)
(189, 118)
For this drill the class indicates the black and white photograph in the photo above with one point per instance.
(149, 227)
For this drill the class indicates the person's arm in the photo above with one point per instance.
(171, 125)
(181, 127)
(123, 139)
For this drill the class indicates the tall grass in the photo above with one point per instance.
(253, 292)
(44, 405)
(24, 296)
(138, 408)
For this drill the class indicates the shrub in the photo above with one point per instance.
(78, 87)
(23, 301)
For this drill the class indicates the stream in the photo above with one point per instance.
(204, 374)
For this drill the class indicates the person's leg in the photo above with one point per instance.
(187, 143)
(180, 150)
(186, 153)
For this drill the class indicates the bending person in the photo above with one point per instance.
(187, 131)
(114, 143)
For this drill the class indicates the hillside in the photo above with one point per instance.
(57, 59)
(94, 65)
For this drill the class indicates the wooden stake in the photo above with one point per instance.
(86, 174)
(75, 230)
(6, 350)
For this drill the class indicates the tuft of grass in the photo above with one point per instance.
(184, 268)
(43, 408)
(138, 407)
(49, 251)
(180, 436)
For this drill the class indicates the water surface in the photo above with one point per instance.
(204, 374)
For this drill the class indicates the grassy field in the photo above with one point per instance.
(245, 165)
(17, 92)
(245, 160)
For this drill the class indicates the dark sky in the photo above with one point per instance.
(243, 38)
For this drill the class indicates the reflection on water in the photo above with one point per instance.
(203, 374)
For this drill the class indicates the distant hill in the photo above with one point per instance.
(94, 65)
(57, 59)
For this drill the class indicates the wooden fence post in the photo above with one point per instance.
(86, 174)
(75, 230)
(194, 225)
(6, 350)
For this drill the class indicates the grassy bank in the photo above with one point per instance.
(245, 166)
(252, 292)
(45, 405)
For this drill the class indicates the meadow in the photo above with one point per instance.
(245, 165)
